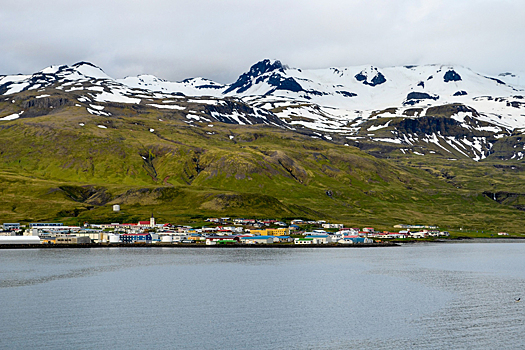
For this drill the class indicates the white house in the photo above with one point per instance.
(420, 234)
(306, 240)
(320, 239)
(257, 240)
(327, 225)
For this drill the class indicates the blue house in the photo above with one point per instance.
(135, 238)
(356, 239)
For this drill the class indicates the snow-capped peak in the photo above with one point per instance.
(90, 70)
(52, 69)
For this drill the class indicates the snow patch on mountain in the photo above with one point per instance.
(11, 117)
(174, 107)
(116, 96)
(90, 70)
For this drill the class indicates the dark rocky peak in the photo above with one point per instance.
(507, 74)
(266, 66)
(84, 63)
(460, 93)
(370, 76)
(245, 81)
(451, 75)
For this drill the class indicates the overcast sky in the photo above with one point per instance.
(220, 39)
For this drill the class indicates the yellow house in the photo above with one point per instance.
(271, 232)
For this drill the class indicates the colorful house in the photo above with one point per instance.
(135, 238)
(271, 232)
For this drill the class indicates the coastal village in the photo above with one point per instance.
(217, 231)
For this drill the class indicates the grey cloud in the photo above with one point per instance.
(221, 39)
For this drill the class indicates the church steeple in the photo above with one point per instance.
(152, 221)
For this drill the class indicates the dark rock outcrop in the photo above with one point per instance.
(415, 97)
(281, 83)
(378, 78)
(428, 125)
(451, 75)
(346, 93)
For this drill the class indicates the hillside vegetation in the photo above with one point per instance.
(150, 161)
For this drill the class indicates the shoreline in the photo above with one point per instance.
(465, 240)
(193, 245)
(259, 246)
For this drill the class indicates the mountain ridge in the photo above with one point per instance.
(350, 105)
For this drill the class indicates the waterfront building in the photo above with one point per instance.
(135, 238)
(222, 238)
(355, 240)
(72, 239)
(303, 241)
(96, 236)
(320, 239)
(271, 232)
(283, 239)
(420, 234)
(257, 240)
(20, 240)
(113, 238)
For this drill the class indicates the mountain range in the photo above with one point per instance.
(361, 144)
(432, 109)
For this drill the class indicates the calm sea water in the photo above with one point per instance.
(432, 296)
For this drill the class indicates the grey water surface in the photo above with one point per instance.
(419, 296)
